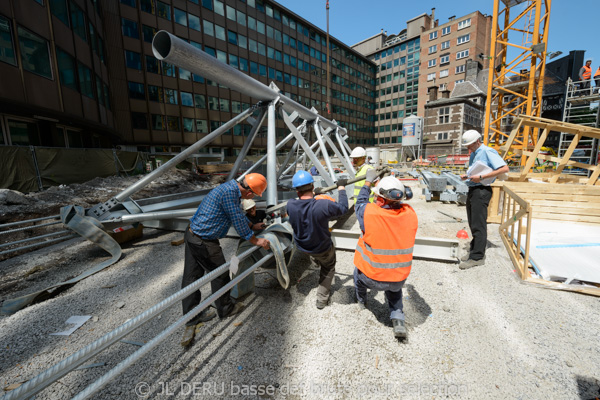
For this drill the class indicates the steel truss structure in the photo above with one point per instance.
(516, 84)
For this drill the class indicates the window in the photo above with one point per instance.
(431, 76)
(209, 28)
(445, 31)
(180, 17)
(85, 80)
(194, 22)
(433, 35)
(152, 65)
(460, 69)
(231, 13)
(136, 90)
(35, 55)
(199, 101)
(242, 41)
(443, 73)
(220, 32)
(241, 18)
(446, 45)
(464, 23)
(232, 37)
(201, 126)
(7, 50)
(188, 125)
(133, 60)
(213, 103)
(462, 54)
(139, 120)
(148, 33)
(130, 28)
(444, 59)
(463, 39)
(78, 21)
(432, 49)
(163, 10)
(442, 136)
(59, 9)
(173, 123)
(66, 69)
(431, 63)
(147, 6)
(207, 4)
(187, 99)
(444, 115)
(158, 122)
(170, 96)
(219, 8)
(460, 81)
(155, 93)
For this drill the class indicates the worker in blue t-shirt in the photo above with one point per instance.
(309, 218)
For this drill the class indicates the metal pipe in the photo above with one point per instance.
(59, 370)
(323, 149)
(287, 161)
(151, 216)
(28, 221)
(31, 239)
(346, 155)
(142, 351)
(170, 48)
(183, 155)
(30, 227)
(271, 157)
(247, 144)
(339, 155)
(44, 243)
(263, 158)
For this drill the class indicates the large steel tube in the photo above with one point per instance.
(271, 157)
(247, 144)
(170, 48)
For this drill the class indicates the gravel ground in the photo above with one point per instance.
(473, 334)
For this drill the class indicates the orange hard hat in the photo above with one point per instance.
(257, 183)
(324, 197)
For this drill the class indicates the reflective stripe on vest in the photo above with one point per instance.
(358, 185)
(587, 73)
(597, 72)
(385, 251)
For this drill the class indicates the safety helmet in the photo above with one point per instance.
(358, 152)
(248, 204)
(392, 189)
(302, 178)
(470, 137)
(257, 183)
(324, 197)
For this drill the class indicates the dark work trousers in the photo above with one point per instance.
(202, 256)
(326, 262)
(478, 200)
(392, 290)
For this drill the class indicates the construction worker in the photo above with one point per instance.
(384, 253)
(585, 76)
(597, 79)
(359, 156)
(218, 211)
(255, 218)
(310, 220)
(479, 195)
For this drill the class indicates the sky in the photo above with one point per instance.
(571, 22)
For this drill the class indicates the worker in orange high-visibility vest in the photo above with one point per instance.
(383, 256)
(597, 79)
(585, 76)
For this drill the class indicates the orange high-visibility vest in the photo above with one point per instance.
(587, 72)
(597, 72)
(385, 251)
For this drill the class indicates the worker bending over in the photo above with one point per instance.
(218, 211)
(384, 253)
(359, 156)
(479, 196)
(310, 220)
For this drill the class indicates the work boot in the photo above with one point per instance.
(471, 263)
(205, 316)
(321, 304)
(188, 335)
(235, 309)
(465, 257)
(362, 306)
(399, 329)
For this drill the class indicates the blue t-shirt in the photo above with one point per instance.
(489, 157)
(310, 220)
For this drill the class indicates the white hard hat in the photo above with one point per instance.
(247, 204)
(470, 137)
(392, 189)
(358, 152)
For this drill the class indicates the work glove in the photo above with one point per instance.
(318, 190)
(342, 182)
(371, 175)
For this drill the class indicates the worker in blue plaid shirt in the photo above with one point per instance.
(218, 211)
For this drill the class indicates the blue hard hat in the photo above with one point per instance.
(301, 178)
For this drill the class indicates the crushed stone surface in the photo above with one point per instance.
(473, 334)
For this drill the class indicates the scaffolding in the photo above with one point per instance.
(516, 84)
(582, 107)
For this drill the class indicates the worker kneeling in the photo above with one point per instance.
(384, 253)
(309, 218)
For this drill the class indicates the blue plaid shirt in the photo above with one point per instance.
(218, 211)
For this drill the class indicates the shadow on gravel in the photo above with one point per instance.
(588, 387)
(416, 308)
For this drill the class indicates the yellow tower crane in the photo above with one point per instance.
(516, 73)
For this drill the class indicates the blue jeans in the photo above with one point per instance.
(393, 292)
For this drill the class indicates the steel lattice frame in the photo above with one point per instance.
(522, 77)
